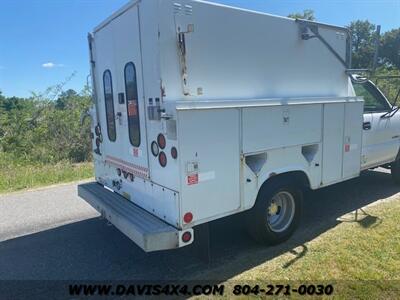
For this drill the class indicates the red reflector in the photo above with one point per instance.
(186, 237)
(188, 217)
(174, 153)
(155, 149)
(161, 141)
(162, 158)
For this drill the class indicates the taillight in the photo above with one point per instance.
(186, 237)
(161, 141)
(162, 158)
(174, 153)
(188, 217)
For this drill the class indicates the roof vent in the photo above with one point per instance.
(177, 8)
(188, 10)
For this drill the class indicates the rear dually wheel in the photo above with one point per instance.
(276, 213)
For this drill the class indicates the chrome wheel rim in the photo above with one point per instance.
(280, 212)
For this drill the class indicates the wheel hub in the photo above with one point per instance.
(281, 211)
(273, 209)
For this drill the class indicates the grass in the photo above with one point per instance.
(18, 176)
(361, 259)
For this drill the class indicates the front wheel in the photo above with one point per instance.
(277, 212)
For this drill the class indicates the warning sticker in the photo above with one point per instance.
(132, 109)
(193, 179)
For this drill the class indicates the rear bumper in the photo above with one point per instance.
(146, 230)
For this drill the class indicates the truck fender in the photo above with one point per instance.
(299, 176)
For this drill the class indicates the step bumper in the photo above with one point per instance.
(146, 230)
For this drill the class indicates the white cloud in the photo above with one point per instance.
(50, 65)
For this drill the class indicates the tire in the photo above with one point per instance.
(395, 170)
(277, 212)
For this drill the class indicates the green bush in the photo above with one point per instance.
(41, 130)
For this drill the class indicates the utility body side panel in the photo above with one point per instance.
(352, 139)
(228, 153)
(281, 126)
(210, 162)
(332, 163)
(342, 141)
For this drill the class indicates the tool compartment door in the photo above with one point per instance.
(121, 95)
(210, 162)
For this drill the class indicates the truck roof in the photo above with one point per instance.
(135, 2)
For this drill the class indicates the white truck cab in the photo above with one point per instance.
(381, 127)
(202, 111)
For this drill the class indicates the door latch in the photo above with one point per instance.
(367, 125)
(119, 117)
(121, 98)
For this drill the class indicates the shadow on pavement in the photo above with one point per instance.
(92, 250)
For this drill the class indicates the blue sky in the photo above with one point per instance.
(44, 41)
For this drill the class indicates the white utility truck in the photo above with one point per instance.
(202, 111)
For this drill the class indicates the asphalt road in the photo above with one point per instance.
(52, 234)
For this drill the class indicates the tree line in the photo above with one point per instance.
(42, 130)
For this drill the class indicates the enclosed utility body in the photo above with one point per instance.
(199, 106)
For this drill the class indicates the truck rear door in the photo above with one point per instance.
(120, 94)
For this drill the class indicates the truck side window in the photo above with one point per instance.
(109, 101)
(132, 104)
(374, 101)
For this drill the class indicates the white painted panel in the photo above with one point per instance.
(236, 54)
(168, 176)
(381, 142)
(352, 139)
(333, 143)
(156, 199)
(105, 60)
(282, 126)
(210, 139)
(127, 49)
(280, 161)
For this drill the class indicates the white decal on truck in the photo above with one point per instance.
(129, 167)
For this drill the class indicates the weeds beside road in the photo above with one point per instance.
(16, 176)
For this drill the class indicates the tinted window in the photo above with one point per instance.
(373, 99)
(132, 104)
(109, 101)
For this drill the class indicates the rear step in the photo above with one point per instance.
(146, 230)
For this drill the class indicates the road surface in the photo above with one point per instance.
(52, 234)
